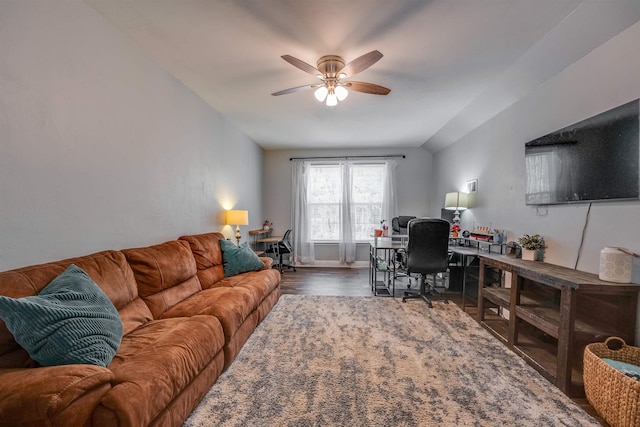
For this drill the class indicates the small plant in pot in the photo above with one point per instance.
(531, 244)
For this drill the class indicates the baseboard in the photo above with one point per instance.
(336, 264)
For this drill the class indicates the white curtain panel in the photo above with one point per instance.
(303, 247)
(347, 243)
(390, 193)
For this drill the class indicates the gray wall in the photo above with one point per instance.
(494, 154)
(100, 148)
(414, 188)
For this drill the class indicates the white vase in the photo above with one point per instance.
(529, 254)
(615, 265)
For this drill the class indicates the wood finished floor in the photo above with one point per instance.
(355, 282)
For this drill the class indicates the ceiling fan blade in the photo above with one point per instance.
(367, 88)
(295, 89)
(301, 65)
(361, 63)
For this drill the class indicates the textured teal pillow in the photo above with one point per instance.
(238, 259)
(70, 321)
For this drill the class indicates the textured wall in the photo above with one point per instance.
(100, 148)
(494, 153)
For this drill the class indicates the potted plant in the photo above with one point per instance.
(530, 245)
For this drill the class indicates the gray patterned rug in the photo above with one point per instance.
(366, 361)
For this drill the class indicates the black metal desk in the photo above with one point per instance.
(387, 247)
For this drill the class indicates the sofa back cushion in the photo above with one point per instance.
(109, 269)
(208, 255)
(165, 273)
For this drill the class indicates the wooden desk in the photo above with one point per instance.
(568, 308)
(257, 235)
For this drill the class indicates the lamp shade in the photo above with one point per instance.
(455, 201)
(237, 217)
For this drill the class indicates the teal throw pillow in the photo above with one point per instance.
(238, 259)
(70, 321)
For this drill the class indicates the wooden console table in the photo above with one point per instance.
(553, 313)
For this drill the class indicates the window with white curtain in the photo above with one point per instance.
(324, 196)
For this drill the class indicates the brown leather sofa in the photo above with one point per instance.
(183, 322)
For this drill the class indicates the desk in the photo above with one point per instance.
(389, 248)
(272, 242)
(573, 307)
(257, 235)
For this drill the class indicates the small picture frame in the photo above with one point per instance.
(472, 186)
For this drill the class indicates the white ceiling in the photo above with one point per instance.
(450, 64)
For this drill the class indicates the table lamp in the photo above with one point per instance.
(238, 218)
(456, 201)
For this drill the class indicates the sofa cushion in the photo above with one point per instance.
(156, 362)
(165, 273)
(259, 283)
(109, 269)
(238, 259)
(70, 321)
(208, 256)
(231, 306)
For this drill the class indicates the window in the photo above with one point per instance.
(325, 193)
(539, 167)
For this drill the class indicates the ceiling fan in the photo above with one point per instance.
(333, 72)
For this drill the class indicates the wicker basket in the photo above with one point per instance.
(615, 396)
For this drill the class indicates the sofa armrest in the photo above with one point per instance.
(268, 262)
(52, 395)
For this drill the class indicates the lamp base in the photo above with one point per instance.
(238, 235)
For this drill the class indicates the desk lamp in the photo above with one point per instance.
(238, 218)
(456, 201)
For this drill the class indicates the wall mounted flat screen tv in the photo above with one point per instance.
(597, 159)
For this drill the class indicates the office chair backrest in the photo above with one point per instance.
(428, 247)
(285, 243)
(399, 223)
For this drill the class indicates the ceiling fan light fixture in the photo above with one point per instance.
(321, 93)
(332, 99)
(341, 93)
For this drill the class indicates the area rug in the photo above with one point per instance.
(372, 361)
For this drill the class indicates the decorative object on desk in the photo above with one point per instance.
(616, 265)
(266, 225)
(455, 228)
(482, 233)
(498, 235)
(513, 249)
(456, 201)
(466, 234)
(238, 218)
(384, 227)
(377, 232)
(530, 245)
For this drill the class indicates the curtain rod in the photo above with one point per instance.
(388, 156)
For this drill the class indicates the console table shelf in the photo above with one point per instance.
(553, 312)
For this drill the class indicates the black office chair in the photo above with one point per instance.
(281, 249)
(399, 227)
(427, 252)
(399, 224)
